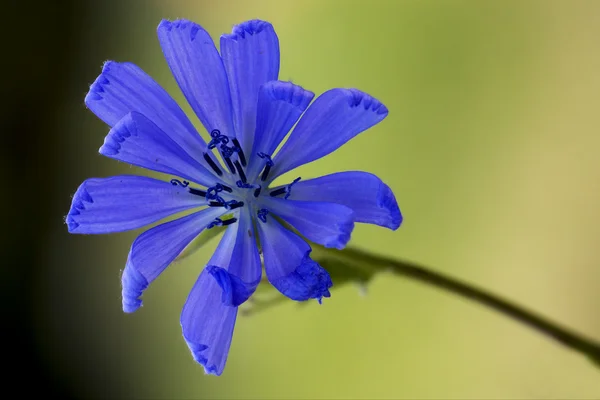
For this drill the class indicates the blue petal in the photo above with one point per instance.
(372, 201)
(328, 224)
(209, 314)
(288, 264)
(156, 248)
(120, 203)
(334, 118)
(236, 263)
(280, 104)
(123, 87)
(137, 140)
(251, 58)
(198, 69)
(207, 324)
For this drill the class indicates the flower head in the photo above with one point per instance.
(248, 112)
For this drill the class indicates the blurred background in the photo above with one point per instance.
(491, 147)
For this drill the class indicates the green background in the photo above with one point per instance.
(491, 147)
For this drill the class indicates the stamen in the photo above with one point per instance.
(217, 138)
(197, 192)
(239, 150)
(233, 204)
(268, 165)
(220, 222)
(288, 189)
(176, 182)
(240, 171)
(227, 188)
(211, 193)
(216, 222)
(212, 164)
(215, 204)
(277, 192)
(243, 185)
(257, 191)
(229, 164)
(262, 214)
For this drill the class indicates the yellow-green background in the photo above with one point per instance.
(491, 147)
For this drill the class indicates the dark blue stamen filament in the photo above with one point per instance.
(197, 192)
(262, 214)
(268, 165)
(239, 150)
(240, 171)
(176, 182)
(227, 188)
(257, 192)
(288, 189)
(212, 164)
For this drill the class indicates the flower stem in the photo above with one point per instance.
(425, 275)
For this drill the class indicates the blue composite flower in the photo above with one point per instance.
(238, 98)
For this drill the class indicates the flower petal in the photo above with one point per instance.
(207, 324)
(209, 313)
(288, 264)
(156, 248)
(328, 224)
(123, 87)
(198, 69)
(137, 140)
(251, 58)
(280, 104)
(372, 201)
(236, 263)
(106, 205)
(334, 118)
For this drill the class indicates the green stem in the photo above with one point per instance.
(420, 273)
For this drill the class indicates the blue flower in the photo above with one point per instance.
(248, 112)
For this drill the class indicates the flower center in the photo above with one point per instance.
(244, 193)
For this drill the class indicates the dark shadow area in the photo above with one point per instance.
(41, 55)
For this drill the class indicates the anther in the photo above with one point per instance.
(229, 164)
(268, 165)
(277, 192)
(197, 192)
(257, 191)
(229, 221)
(215, 204)
(240, 171)
(262, 214)
(239, 150)
(227, 188)
(212, 164)
(176, 182)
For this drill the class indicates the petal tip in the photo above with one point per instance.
(357, 97)
(97, 88)
(197, 350)
(78, 204)
(308, 281)
(387, 201)
(288, 92)
(133, 285)
(251, 27)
